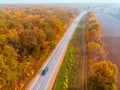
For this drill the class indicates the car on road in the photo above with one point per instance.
(45, 70)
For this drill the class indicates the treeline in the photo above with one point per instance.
(27, 35)
(102, 74)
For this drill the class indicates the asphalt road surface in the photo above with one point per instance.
(111, 37)
(42, 82)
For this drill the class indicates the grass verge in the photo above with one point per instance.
(70, 74)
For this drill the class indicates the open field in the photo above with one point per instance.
(112, 47)
(111, 38)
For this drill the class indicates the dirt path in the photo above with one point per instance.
(84, 61)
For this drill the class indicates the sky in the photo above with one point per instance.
(59, 1)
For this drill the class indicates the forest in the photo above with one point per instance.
(27, 35)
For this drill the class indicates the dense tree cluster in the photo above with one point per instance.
(27, 35)
(102, 74)
(93, 38)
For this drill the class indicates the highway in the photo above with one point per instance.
(42, 82)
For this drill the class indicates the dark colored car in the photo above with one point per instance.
(45, 70)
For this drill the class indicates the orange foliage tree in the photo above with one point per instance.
(26, 37)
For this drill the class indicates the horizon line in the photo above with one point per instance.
(63, 3)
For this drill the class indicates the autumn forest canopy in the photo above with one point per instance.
(27, 35)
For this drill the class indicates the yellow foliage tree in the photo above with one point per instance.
(93, 45)
(94, 36)
(103, 76)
